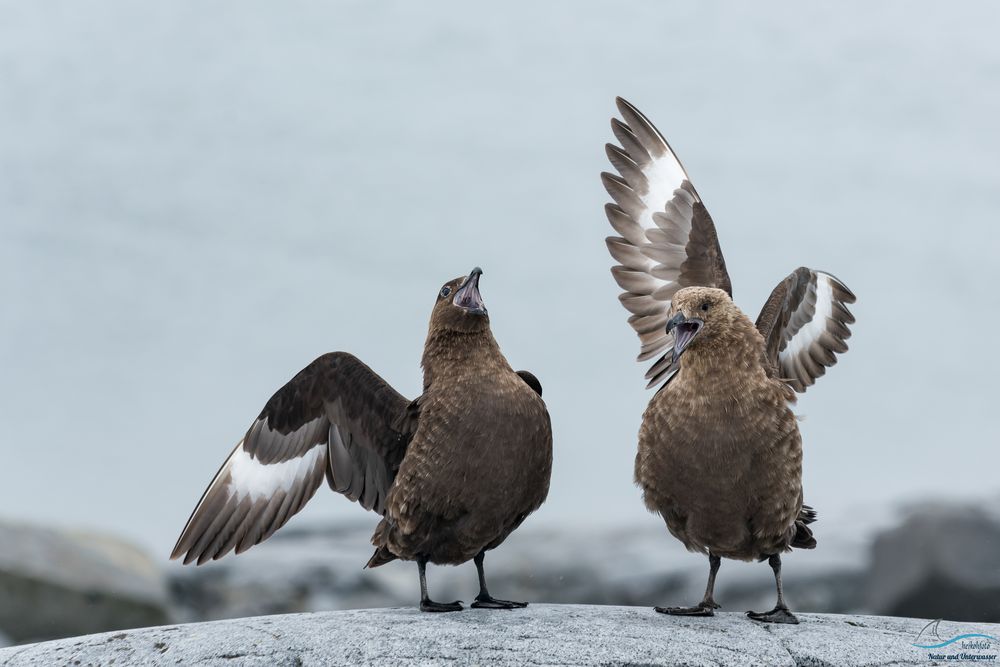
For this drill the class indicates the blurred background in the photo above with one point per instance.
(198, 199)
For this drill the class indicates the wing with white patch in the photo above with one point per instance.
(805, 326)
(336, 418)
(668, 239)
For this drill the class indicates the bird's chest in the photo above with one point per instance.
(715, 433)
(485, 418)
(713, 463)
(715, 414)
(487, 440)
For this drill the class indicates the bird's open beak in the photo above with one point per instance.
(468, 296)
(684, 330)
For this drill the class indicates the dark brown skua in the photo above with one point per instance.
(720, 455)
(452, 473)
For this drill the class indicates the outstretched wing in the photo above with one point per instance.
(668, 239)
(336, 418)
(805, 326)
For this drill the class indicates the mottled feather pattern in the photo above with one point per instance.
(721, 461)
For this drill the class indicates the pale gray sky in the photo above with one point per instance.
(198, 199)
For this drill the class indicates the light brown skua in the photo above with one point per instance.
(720, 455)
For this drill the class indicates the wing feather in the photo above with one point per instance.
(805, 324)
(667, 239)
(532, 381)
(336, 419)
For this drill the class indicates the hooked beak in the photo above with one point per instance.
(468, 296)
(684, 331)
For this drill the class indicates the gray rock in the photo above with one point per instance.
(58, 583)
(941, 562)
(540, 635)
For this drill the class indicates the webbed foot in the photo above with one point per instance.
(705, 608)
(432, 606)
(489, 602)
(776, 615)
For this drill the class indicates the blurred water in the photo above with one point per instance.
(196, 199)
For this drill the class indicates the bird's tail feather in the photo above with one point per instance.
(381, 556)
(803, 538)
(807, 515)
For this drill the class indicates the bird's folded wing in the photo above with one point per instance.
(336, 418)
(532, 381)
(805, 326)
(668, 239)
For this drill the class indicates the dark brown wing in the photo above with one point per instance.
(530, 380)
(805, 326)
(668, 239)
(336, 418)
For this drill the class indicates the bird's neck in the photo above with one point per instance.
(454, 353)
(735, 357)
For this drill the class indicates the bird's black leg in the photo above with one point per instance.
(486, 601)
(426, 604)
(708, 605)
(780, 613)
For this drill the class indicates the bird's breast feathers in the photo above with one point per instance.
(726, 408)
(496, 410)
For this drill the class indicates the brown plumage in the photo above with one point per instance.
(453, 472)
(722, 407)
(720, 455)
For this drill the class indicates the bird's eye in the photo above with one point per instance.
(445, 291)
(705, 306)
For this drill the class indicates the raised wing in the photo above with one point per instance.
(668, 239)
(336, 418)
(805, 326)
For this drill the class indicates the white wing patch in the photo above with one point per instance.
(654, 210)
(664, 174)
(249, 499)
(259, 481)
(816, 331)
(814, 328)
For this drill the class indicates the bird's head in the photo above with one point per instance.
(700, 318)
(460, 306)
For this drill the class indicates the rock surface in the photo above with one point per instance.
(55, 583)
(540, 635)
